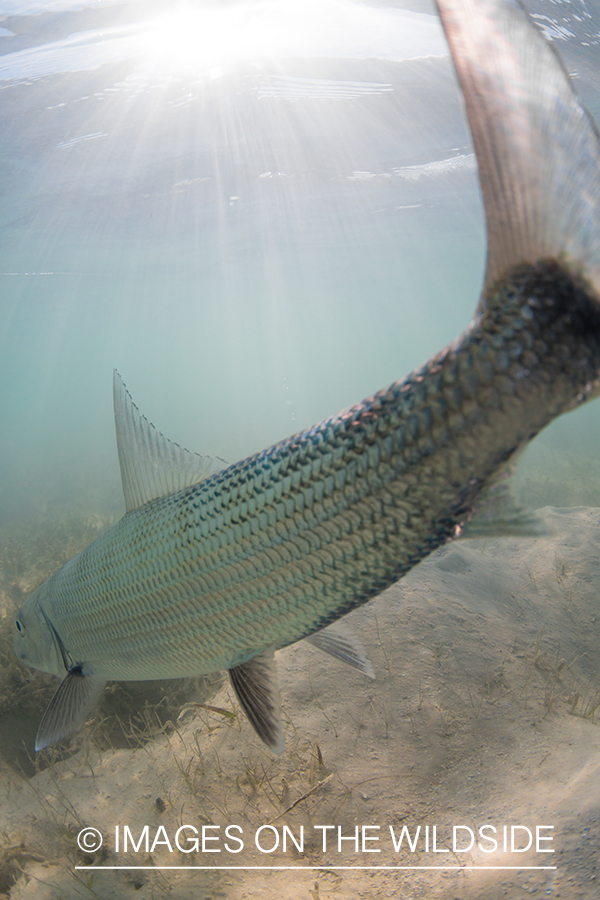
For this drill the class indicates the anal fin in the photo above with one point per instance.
(497, 514)
(340, 641)
(257, 688)
(69, 707)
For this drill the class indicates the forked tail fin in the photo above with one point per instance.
(537, 147)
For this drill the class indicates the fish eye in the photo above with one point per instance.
(20, 627)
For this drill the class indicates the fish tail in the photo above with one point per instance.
(537, 147)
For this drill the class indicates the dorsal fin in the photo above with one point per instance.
(151, 465)
(537, 147)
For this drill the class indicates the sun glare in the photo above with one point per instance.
(198, 38)
(192, 39)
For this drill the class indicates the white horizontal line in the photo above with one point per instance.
(36, 273)
(329, 868)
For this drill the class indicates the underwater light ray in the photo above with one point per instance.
(193, 39)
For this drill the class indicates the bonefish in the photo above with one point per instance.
(216, 566)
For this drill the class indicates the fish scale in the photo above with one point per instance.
(217, 566)
(326, 520)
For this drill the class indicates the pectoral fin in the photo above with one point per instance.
(257, 688)
(69, 707)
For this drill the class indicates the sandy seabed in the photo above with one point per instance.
(483, 712)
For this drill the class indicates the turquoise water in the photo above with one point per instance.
(252, 243)
(259, 213)
(255, 241)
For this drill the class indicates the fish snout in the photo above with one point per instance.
(32, 642)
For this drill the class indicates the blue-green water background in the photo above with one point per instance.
(255, 240)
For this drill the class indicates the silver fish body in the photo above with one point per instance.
(219, 573)
(281, 544)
